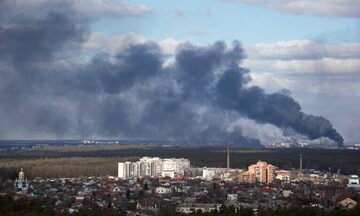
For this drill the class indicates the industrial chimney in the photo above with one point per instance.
(301, 170)
(228, 158)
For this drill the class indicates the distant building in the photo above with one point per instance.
(154, 167)
(187, 208)
(149, 166)
(232, 197)
(354, 179)
(208, 173)
(348, 203)
(21, 183)
(163, 190)
(218, 172)
(247, 177)
(283, 175)
(174, 166)
(261, 172)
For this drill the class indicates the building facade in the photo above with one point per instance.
(188, 208)
(21, 183)
(283, 175)
(247, 177)
(354, 179)
(174, 166)
(261, 172)
(154, 167)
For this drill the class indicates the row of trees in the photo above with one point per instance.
(61, 167)
(34, 207)
(307, 211)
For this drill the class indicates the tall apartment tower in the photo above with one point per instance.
(262, 171)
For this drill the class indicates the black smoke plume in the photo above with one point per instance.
(278, 109)
(50, 89)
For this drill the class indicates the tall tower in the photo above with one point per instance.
(21, 175)
(228, 157)
(301, 169)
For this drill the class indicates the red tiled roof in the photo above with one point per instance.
(266, 190)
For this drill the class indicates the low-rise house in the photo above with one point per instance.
(194, 207)
(163, 190)
(354, 179)
(146, 204)
(265, 191)
(286, 193)
(348, 203)
(116, 189)
(232, 197)
(176, 199)
(36, 193)
(79, 200)
(283, 175)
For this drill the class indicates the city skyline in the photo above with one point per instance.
(149, 69)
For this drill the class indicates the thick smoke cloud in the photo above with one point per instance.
(49, 89)
(278, 109)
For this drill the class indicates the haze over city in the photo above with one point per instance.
(242, 72)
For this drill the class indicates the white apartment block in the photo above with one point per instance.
(121, 173)
(174, 166)
(127, 169)
(154, 167)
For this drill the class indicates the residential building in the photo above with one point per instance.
(348, 203)
(194, 207)
(247, 177)
(232, 197)
(154, 167)
(174, 166)
(263, 172)
(283, 175)
(354, 179)
(163, 190)
(208, 173)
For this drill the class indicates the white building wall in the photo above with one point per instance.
(120, 170)
(232, 197)
(176, 165)
(153, 166)
(208, 173)
(168, 174)
(163, 190)
(354, 179)
(128, 169)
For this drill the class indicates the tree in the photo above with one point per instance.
(128, 194)
(146, 186)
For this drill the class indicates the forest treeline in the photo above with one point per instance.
(61, 167)
(75, 161)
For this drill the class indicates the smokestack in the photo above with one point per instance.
(228, 158)
(301, 171)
